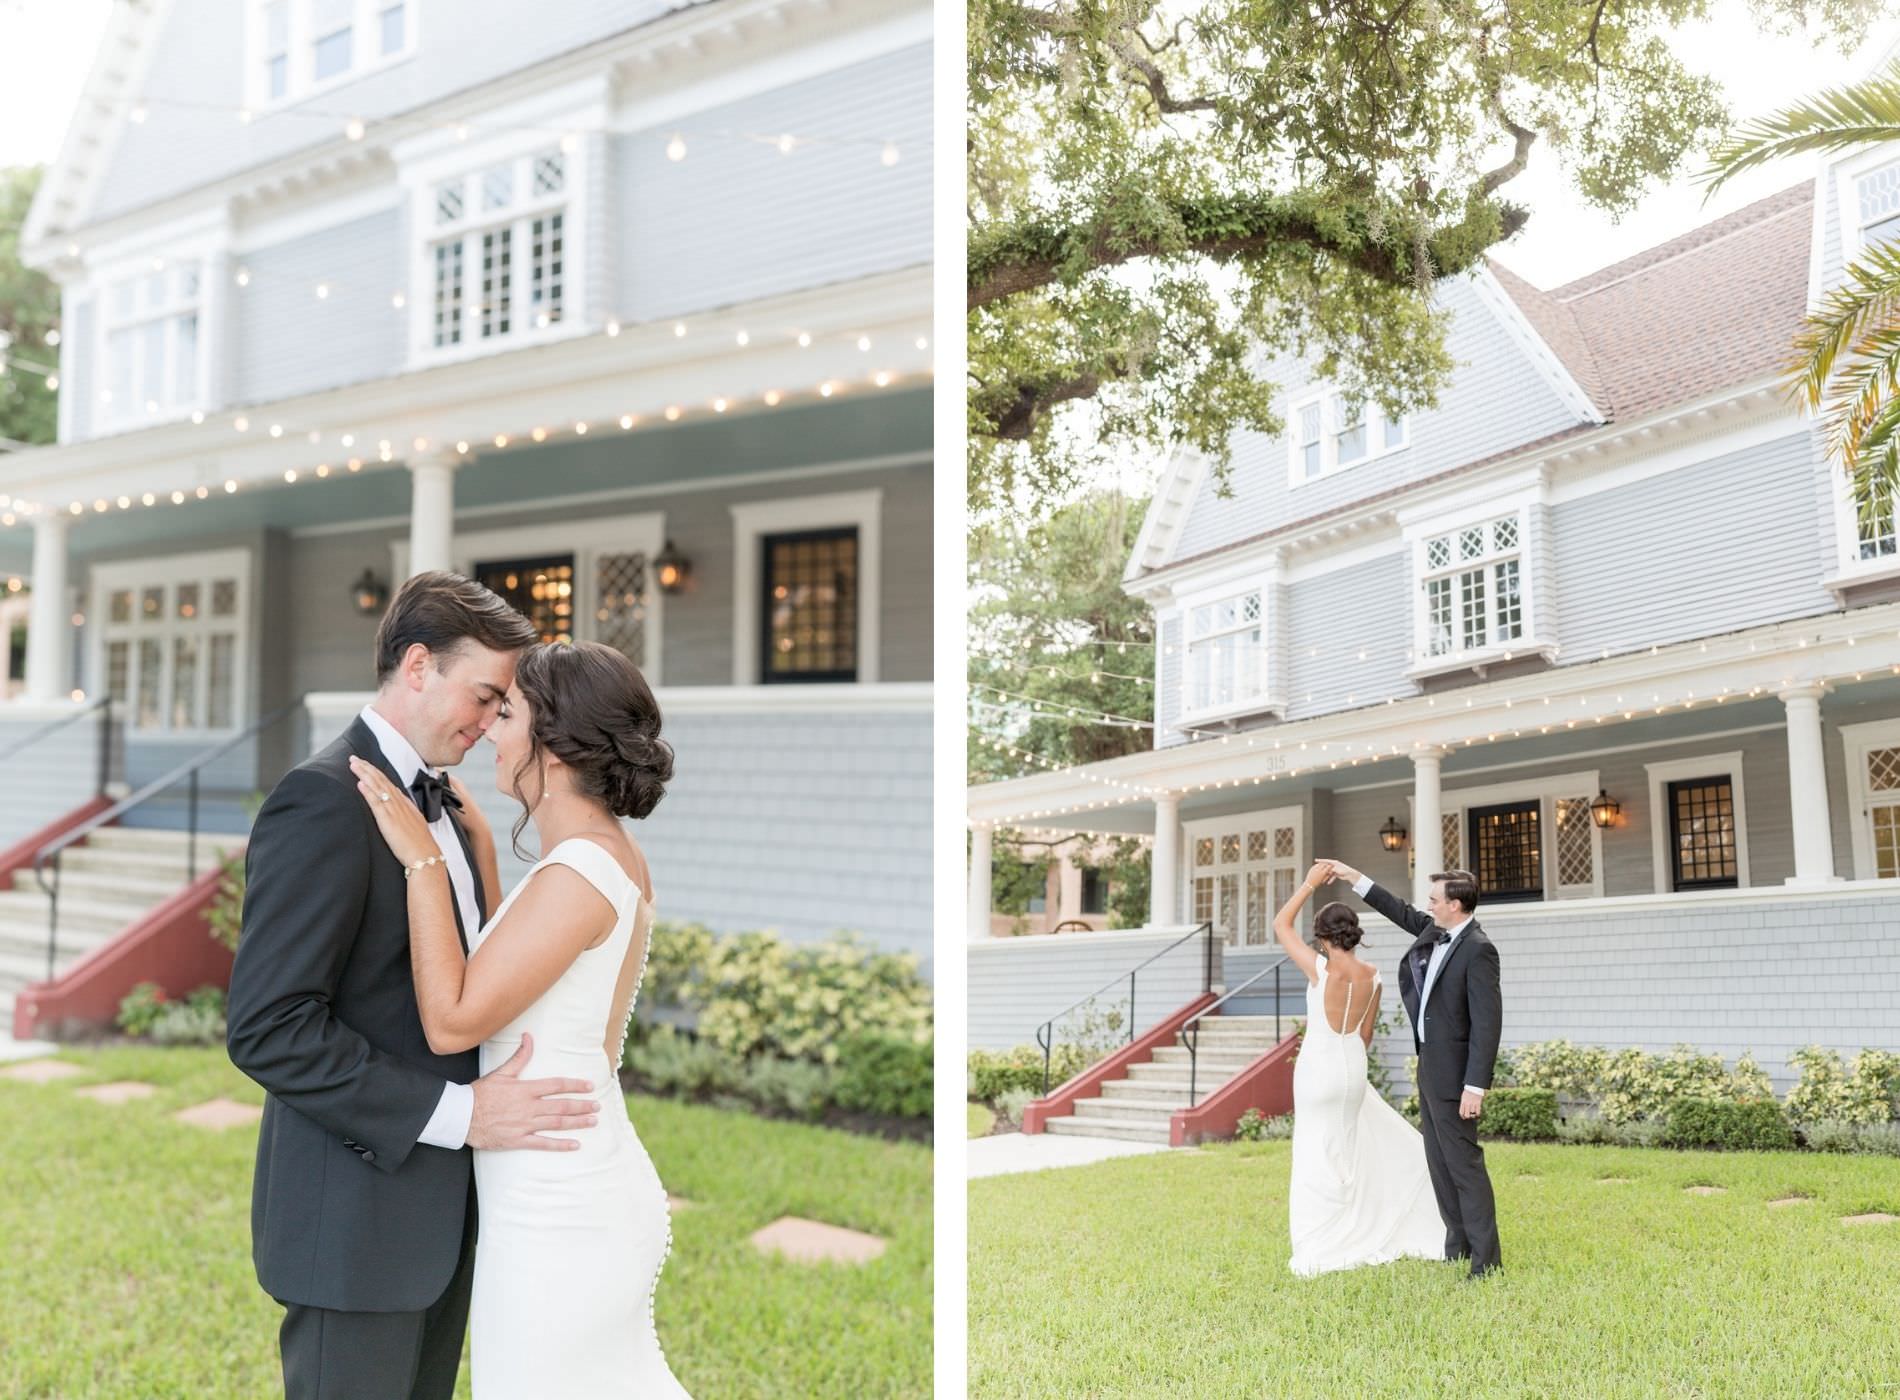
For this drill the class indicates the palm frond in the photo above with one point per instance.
(1865, 113)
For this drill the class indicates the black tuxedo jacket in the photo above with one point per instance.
(1465, 1017)
(348, 1211)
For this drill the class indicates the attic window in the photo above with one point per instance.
(300, 47)
(1878, 194)
(1328, 434)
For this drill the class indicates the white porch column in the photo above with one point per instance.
(1807, 784)
(980, 897)
(48, 643)
(1428, 841)
(432, 513)
(1164, 870)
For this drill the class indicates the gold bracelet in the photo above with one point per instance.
(409, 870)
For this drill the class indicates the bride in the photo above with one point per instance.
(571, 1242)
(1360, 1192)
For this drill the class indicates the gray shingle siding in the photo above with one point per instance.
(1331, 617)
(1017, 984)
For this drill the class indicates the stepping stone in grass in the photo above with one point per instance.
(1706, 1190)
(1872, 1217)
(814, 1242)
(678, 1203)
(41, 1071)
(219, 1113)
(123, 1091)
(1784, 1201)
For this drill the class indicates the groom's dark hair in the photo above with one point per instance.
(1462, 886)
(442, 611)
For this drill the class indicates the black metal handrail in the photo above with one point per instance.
(188, 770)
(1191, 1028)
(1045, 1033)
(104, 705)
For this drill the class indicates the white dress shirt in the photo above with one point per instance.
(448, 1125)
(1439, 954)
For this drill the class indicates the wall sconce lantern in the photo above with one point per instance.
(671, 568)
(1391, 835)
(369, 593)
(1603, 811)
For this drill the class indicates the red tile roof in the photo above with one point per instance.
(1715, 308)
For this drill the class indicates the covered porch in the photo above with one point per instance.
(1655, 836)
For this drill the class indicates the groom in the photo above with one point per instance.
(363, 1205)
(1448, 980)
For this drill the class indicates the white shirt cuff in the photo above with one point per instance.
(1474, 1089)
(448, 1125)
(1360, 886)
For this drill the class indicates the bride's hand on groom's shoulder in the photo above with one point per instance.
(400, 821)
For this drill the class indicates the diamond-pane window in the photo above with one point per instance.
(1879, 192)
(448, 202)
(1283, 842)
(1438, 552)
(498, 186)
(620, 618)
(1576, 857)
(186, 600)
(1450, 834)
(550, 173)
(1256, 845)
(1504, 533)
(120, 609)
(1883, 770)
(1204, 851)
(223, 597)
(1471, 542)
(152, 604)
(1229, 849)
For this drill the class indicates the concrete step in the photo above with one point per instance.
(131, 888)
(1155, 1078)
(78, 915)
(21, 970)
(1226, 1059)
(1079, 1125)
(143, 865)
(1127, 1110)
(1146, 1091)
(29, 940)
(151, 839)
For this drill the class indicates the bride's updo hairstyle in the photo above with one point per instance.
(1337, 925)
(590, 707)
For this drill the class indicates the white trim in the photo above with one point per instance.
(1421, 530)
(300, 80)
(751, 520)
(586, 538)
(1330, 402)
(1492, 296)
(1856, 740)
(168, 570)
(1546, 790)
(1269, 695)
(1708, 765)
(1168, 511)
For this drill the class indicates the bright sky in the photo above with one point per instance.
(49, 46)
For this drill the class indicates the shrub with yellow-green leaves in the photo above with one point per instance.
(1866, 1092)
(1637, 1084)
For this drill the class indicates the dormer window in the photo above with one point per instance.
(301, 47)
(1474, 587)
(1329, 434)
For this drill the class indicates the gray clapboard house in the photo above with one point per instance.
(621, 307)
(1603, 626)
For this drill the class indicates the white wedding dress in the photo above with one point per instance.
(1360, 1192)
(570, 1244)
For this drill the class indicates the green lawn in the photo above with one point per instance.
(1167, 1275)
(982, 1119)
(126, 1266)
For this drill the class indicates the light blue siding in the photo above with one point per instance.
(1331, 618)
(1015, 984)
(736, 220)
(289, 341)
(1497, 399)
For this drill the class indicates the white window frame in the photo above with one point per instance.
(1661, 775)
(1419, 537)
(586, 539)
(753, 520)
(183, 390)
(1261, 697)
(1331, 404)
(1239, 825)
(1856, 741)
(169, 571)
(1852, 567)
(1547, 791)
(300, 82)
(468, 163)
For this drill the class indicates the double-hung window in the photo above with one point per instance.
(1330, 434)
(301, 47)
(497, 253)
(1226, 652)
(152, 344)
(1473, 586)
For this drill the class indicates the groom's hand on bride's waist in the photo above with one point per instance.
(512, 1112)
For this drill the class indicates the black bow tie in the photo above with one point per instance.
(432, 794)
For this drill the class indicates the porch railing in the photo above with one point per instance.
(1045, 1033)
(1191, 1028)
(103, 708)
(48, 856)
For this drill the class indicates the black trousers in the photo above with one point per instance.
(1459, 1180)
(331, 1355)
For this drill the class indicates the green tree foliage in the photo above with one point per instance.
(1165, 199)
(29, 308)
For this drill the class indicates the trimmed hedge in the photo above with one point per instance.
(994, 1073)
(1748, 1125)
(1528, 1115)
